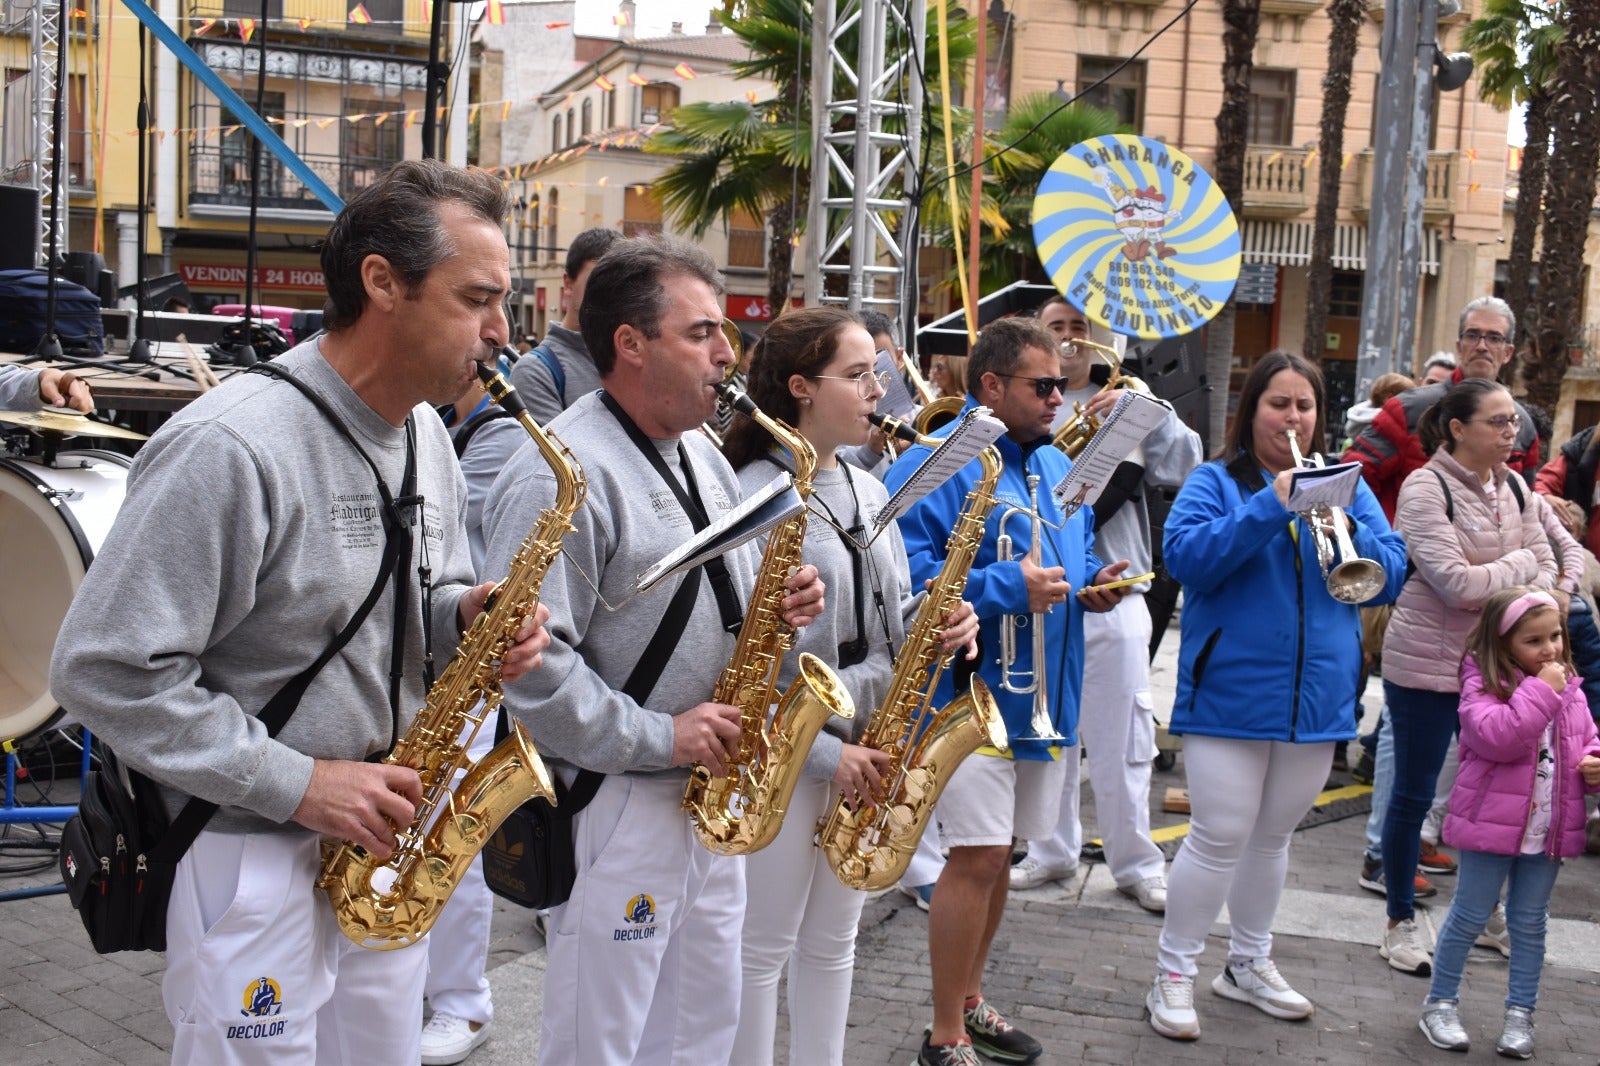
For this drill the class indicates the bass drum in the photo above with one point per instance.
(52, 521)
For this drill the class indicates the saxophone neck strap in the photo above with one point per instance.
(721, 581)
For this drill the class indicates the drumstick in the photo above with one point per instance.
(198, 366)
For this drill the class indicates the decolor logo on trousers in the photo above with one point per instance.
(641, 914)
(263, 998)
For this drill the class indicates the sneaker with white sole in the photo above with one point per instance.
(1441, 1024)
(1516, 1035)
(921, 895)
(1258, 983)
(1495, 934)
(447, 1039)
(1150, 893)
(1171, 1006)
(1404, 949)
(1031, 873)
(994, 1037)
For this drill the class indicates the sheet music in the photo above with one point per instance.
(976, 431)
(775, 502)
(1133, 417)
(1316, 486)
(896, 399)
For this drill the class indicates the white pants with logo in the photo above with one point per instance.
(1117, 725)
(800, 914)
(258, 971)
(458, 943)
(644, 956)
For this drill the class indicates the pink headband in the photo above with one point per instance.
(1521, 606)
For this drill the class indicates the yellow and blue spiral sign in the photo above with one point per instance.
(1136, 236)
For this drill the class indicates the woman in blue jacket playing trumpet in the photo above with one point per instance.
(1267, 673)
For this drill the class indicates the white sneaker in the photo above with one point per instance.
(1495, 935)
(1151, 893)
(447, 1039)
(1259, 984)
(1403, 947)
(1031, 873)
(1171, 1007)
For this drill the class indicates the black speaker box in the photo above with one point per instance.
(19, 227)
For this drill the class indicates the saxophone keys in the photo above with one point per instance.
(900, 815)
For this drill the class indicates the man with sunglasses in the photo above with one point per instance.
(995, 796)
(1389, 450)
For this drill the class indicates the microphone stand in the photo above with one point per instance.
(139, 347)
(242, 352)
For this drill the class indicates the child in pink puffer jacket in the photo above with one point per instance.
(1529, 752)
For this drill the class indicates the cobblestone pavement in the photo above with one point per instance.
(1070, 964)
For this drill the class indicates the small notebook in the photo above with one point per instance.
(1318, 486)
(775, 502)
(977, 430)
(1133, 417)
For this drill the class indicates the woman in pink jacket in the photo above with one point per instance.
(1529, 752)
(1471, 528)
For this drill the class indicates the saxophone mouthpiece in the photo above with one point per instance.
(500, 390)
(735, 397)
(894, 427)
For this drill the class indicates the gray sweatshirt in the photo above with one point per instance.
(1168, 454)
(250, 534)
(19, 389)
(867, 681)
(573, 706)
(532, 378)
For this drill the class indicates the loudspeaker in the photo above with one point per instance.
(19, 227)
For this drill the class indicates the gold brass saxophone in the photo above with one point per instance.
(742, 811)
(1082, 426)
(869, 845)
(387, 904)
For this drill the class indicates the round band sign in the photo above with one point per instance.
(1136, 236)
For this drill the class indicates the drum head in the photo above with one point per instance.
(52, 520)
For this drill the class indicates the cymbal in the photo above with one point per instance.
(69, 423)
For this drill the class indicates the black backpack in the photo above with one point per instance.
(24, 296)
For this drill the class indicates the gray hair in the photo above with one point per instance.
(1494, 305)
(625, 288)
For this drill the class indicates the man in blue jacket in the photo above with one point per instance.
(997, 795)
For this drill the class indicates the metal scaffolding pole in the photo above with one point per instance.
(866, 153)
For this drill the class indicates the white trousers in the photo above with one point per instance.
(1246, 796)
(258, 971)
(800, 914)
(644, 957)
(458, 943)
(1116, 722)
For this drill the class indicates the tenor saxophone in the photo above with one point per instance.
(387, 904)
(742, 810)
(869, 845)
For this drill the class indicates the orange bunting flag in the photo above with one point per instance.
(78, 13)
(556, 25)
(247, 29)
(324, 123)
(505, 110)
(381, 119)
(604, 84)
(497, 13)
(619, 19)
(750, 94)
(1474, 187)
(684, 71)
(472, 113)
(359, 16)
(603, 179)
(411, 118)
(1345, 163)
(1472, 154)
(205, 25)
(638, 79)
(1306, 163)
(305, 24)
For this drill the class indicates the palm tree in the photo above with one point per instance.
(1569, 197)
(1241, 19)
(1344, 17)
(1514, 44)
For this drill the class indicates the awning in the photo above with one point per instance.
(1288, 243)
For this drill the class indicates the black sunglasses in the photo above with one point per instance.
(1042, 387)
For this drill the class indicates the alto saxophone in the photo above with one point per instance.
(741, 811)
(870, 844)
(387, 904)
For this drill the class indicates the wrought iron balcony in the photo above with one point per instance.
(219, 176)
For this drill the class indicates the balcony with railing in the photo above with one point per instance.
(1277, 182)
(1438, 185)
(388, 18)
(219, 178)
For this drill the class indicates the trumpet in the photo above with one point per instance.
(1023, 682)
(1082, 426)
(1354, 580)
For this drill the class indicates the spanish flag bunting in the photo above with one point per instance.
(381, 119)
(247, 29)
(305, 24)
(299, 123)
(1474, 187)
(472, 113)
(684, 71)
(1472, 154)
(439, 116)
(1513, 158)
(359, 16)
(638, 79)
(78, 13)
(556, 25)
(603, 179)
(324, 123)
(427, 11)
(1344, 164)
(604, 83)
(750, 94)
(619, 19)
(568, 101)
(411, 118)
(497, 13)
(505, 110)
(1273, 158)
(1306, 163)
(205, 25)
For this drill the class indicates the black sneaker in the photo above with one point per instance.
(946, 1054)
(995, 1038)
(1371, 879)
(1362, 774)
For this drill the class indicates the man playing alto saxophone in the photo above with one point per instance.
(251, 532)
(993, 797)
(644, 956)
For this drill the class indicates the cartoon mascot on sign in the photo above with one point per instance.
(1140, 216)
